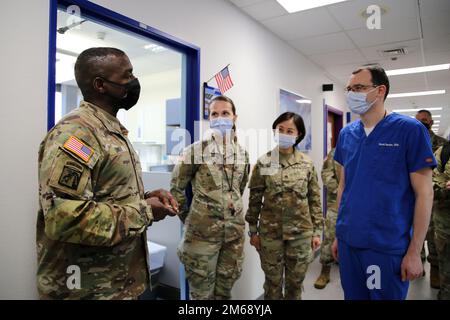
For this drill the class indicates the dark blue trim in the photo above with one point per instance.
(51, 64)
(192, 92)
(325, 128)
(103, 15)
(325, 142)
(349, 117)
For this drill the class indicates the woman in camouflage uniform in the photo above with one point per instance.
(217, 168)
(285, 215)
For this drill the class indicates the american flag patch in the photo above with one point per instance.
(77, 147)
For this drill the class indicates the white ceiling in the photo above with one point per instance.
(337, 39)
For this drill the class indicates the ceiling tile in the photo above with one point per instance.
(405, 31)
(436, 45)
(303, 24)
(407, 83)
(337, 58)
(438, 58)
(245, 3)
(372, 53)
(350, 14)
(439, 79)
(342, 72)
(323, 44)
(432, 9)
(265, 10)
(436, 27)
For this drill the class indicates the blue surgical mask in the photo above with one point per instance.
(357, 102)
(285, 141)
(223, 125)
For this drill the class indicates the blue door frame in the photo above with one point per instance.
(96, 12)
(99, 13)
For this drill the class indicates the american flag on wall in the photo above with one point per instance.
(224, 81)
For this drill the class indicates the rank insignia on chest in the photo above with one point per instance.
(78, 148)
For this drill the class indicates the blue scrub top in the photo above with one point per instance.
(377, 205)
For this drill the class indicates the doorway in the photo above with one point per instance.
(165, 118)
(333, 123)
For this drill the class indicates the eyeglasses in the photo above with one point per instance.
(359, 87)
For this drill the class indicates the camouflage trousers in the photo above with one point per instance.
(211, 268)
(430, 238)
(284, 257)
(442, 238)
(326, 257)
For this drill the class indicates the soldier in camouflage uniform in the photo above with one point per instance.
(330, 178)
(426, 118)
(441, 182)
(211, 248)
(93, 213)
(284, 214)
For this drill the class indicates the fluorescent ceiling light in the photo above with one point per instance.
(415, 110)
(415, 94)
(154, 48)
(437, 121)
(304, 101)
(292, 6)
(437, 116)
(436, 67)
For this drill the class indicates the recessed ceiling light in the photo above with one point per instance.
(292, 6)
(436, 67)
(415, 94)
(415, 110)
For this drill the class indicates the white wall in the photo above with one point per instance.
(156, 89)
(260, 65)
(23, 121)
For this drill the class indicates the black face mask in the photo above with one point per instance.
(132, 91)
(427, 125)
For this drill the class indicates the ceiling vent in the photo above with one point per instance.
(393, 52)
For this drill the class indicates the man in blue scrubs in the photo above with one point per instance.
(385, 193)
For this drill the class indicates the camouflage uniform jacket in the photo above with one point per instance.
(92, 212)
(441, 194)
(216, 211)
(291, 207)
(330, 179)
(436, 141)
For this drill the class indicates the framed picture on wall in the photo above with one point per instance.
(293, 102)
(209, 93)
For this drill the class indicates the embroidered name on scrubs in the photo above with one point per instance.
(78, 148)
